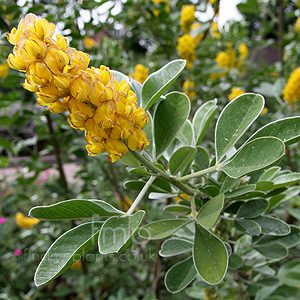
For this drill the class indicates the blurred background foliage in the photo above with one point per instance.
(43, 160)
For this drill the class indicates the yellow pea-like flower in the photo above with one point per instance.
(115, 148)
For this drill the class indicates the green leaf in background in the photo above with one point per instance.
(241, 191)
(252, 208)
(274, 251)
(285, 180)
(254, 156)
(228, 184)
(12, 80)
(288, 130)
(74, 209)
(210, 256)
(235, 261)
(169, 117)
(149, 134)
(210, 211)
(162, 228)
(67, 249)
(186, 134)
(116, 232)
(272, 226)
(181, 159)
(248, 226)
(269, 174)
(290, 240)
(180, 275)
(175, 246)
(158, 82)
(201, 159)
(289, 273)
(202, 119)
(234, 120)
(177, 208)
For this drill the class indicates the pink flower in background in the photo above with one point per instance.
(47, 172)
(2, 220)
(18, 252)
(43, 179)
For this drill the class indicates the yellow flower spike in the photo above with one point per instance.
(243, 51)
(115, 148)
(291, 91)
(186, 47)
(97, 102)
(187, 17)
(89, 43)
(188, 88)
(235, 92)
(140, 73)
(25, 222)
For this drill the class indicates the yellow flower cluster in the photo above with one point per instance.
(105, 108)
(187, 17)
(89, 43)
(156, 11)
(4, 71)
(214, 28)
(140, 73)
(186, 47)
(25, 222)
(291, 92)
(188, 88)
(243, 51)
(235, 92)
(225, 59)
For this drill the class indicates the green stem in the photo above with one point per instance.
(140, 195)
(173, 180)
(200, 173)
(193, 206)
